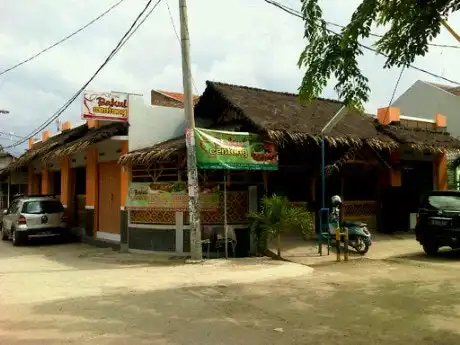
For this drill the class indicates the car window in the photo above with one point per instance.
(42, 206)
(444, 202)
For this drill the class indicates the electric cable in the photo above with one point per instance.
(62, 40)
(128, 34)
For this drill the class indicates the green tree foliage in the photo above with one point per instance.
(411, 25)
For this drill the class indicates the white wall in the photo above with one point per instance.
(150, 125)
(108, 150)
(425, 100)
(78, 160)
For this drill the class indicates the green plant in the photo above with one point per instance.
(275, 217)
(407, 27)
(178, 186)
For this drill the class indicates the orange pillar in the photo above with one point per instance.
(440, 165)
(30, 181)
(65, 181)
(46, 182)
(124, 178)
(396, 180)
(92, 187)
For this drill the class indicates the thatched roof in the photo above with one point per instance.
(160, 151)
(284, 119)
(42, 148)
(280, 117)
(421, 139)
(92, 136)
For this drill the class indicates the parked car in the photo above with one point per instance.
(32, 216)
(438, 222)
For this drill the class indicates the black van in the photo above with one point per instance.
(438, 222)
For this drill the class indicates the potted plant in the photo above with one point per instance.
(277, 216)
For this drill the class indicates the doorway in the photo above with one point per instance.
(109, 201)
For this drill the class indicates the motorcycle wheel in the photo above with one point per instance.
(361, 246)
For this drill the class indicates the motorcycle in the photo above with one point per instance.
(359, 237)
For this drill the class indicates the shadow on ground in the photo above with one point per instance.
(444, 256)
(69, 253)
(384, 312)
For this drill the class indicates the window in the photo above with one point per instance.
(42, 206)
(444, 202)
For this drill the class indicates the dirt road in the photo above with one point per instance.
(55, 295)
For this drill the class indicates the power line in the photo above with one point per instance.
(297, 14)
(396, 86)
(381, 36)
(61, 40)
(12, 135)
(132, 29)
(343, 26)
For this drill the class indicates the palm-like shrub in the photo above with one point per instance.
(277, 216)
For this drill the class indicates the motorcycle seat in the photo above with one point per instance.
(358, 224)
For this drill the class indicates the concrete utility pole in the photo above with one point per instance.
(193, 190)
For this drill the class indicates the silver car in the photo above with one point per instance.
(29, 217)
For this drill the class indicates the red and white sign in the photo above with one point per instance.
(105, 106)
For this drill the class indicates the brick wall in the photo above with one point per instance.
(164, 101)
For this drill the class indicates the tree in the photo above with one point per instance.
(411, 24)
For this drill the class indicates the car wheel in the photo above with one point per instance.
(430, 249)
(18, 237)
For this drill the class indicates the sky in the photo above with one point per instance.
(245, 42)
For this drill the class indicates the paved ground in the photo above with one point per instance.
(294, 248)
(74, 294)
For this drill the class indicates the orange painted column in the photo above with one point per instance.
(92, 186)
(65, 181)
(46, 182)
(124, 177)
(396, 180)
(30, 181)
(440, 168)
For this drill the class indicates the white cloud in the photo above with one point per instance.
(245, 42)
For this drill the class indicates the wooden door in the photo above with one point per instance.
(109, 197)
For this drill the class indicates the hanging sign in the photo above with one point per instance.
(105, 106)
(233, 151)
(165, 197)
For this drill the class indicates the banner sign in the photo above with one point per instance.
(145, 195)
(234, 151)
(105, 106)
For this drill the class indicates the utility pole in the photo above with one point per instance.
(193, 190)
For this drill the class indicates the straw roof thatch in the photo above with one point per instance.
(281, 118)
(421, 139)
(160, 151)
(42, 148)
(285, 119)
(92, 136)
(165, 149)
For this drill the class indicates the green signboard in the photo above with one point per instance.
(233, 151)
(159, 196)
